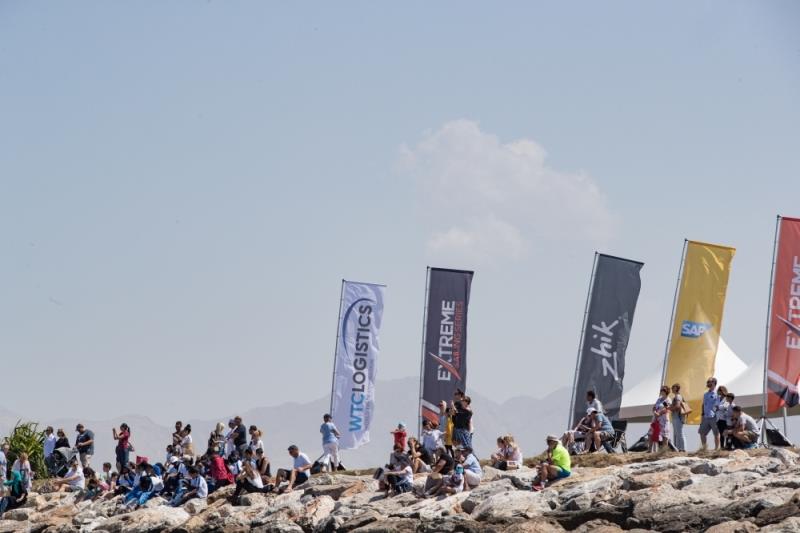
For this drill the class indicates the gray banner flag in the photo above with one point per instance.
(609, 318)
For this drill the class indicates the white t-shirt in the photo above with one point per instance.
(202, 487)
(254, 445)
(78, 483)
(186, 442)
(158, 483)
(302, 460)
(49, 445)
(431, 440)
(408, 475)
(256, 480)
(595, 404)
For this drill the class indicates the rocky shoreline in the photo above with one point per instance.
(739, 492)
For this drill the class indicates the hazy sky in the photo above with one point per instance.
(183, 185)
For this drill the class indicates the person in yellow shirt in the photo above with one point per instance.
(557, 465)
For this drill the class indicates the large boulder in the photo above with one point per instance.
(146, 520)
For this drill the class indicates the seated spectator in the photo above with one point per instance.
(249, 481)
(400, 478)
(300, 472)
(499, 454)
(600, 432)
(218, 471)
(557, 464)
(125, 482)
(140, 494)
(262, 465)
(444, 462)
(73, 480)
(451, 484)
(473, 473)
(197, 488)
(234, 463)
(105, 475)
(17, 494)
(573, 439)
(415, 457)
(745, 431)
(510, 456)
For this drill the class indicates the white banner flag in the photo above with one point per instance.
(355, 366)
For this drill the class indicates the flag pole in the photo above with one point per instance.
(422, 351)
(672, 316)
(336, 346)
(573, 399)
(764, 398)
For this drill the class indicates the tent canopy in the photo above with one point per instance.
(746, 382)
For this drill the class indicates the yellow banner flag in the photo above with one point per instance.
(698, 321)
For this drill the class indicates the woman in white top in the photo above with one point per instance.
(187, 448)
(229, 446)
(513, 452)
(255, 439)
(23, 466)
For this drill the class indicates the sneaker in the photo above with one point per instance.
(538, 486)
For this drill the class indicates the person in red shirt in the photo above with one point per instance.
(400, 436)
(123, 445)
(218, 470)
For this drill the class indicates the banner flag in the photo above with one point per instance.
(609, 317)
(783, 356)
(444, 356)
(355, 362)
(697, 321)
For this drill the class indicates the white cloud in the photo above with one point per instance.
(488, 200)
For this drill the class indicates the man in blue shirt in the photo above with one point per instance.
(708, 422)
(601, 431)
(330, 442)
(85, 444)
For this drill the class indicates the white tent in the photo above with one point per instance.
(747, 382)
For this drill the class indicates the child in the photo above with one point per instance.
(400, 435)
(655, 435)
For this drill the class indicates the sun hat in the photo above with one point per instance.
(552, 438)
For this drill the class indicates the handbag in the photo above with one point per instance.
(685, 409)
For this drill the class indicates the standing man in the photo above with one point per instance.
(49, 441)
(557, 465)
(678, 417)
(330, 442)
(593, 403)
(709, 419)
(84, 444)
(239, 436)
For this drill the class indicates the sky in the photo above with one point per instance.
(184, 185)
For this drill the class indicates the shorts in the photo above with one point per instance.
(300, 478)
(606, 436)
(708, 424)
(562, 473)
(85, 458)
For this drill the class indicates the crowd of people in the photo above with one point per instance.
(443, 451)
(731, 426)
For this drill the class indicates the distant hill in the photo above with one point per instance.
(527, 418)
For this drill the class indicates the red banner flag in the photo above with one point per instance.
(783, 355)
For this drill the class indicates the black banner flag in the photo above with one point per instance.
(444, 356)
(607, 328)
